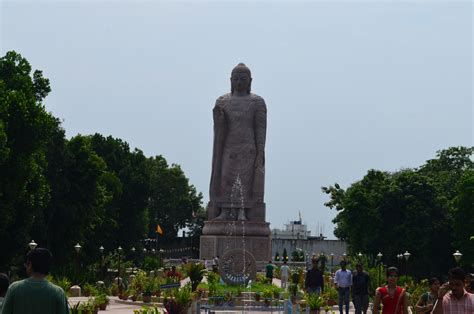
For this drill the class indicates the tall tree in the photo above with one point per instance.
(172, 199)
(25, 129)
(411, 209)
(130, 203)
(463, 212)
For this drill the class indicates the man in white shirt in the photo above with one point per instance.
(284, 274)
(343, 281)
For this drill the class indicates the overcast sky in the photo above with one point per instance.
(349, 86)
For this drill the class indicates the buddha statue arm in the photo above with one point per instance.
(219, 133)
(260, 125)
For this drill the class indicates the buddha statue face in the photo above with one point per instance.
(241, 80)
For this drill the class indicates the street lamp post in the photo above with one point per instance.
(399, 257)
(161, 257)
(133, 249)
(78, 248)
(407, 256)
(32, 245)
(119, 279)
(332, 262)
(379, 262)
(101, 249)
(457, 256)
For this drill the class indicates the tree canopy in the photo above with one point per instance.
(426, 211)
(89, 189)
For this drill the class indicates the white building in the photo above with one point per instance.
(296, 236)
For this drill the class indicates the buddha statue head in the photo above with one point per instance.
(241, 79)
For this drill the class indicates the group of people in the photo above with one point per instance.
(344, 279)
(453, 297)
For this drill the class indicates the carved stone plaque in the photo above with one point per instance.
(237, 267)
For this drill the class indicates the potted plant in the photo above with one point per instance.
(124, 295)
(228, 298)
(87, 308)
(212, 281)
(133, 294)
(89, 290)
(267, 296)
(314, 302)
(330, 296)
(101, 301)
(114, 290)
(258, 295)
(180, 300)
(148, 285)
(195, 272)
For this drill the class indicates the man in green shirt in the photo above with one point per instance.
(269, 272)
(35, 295)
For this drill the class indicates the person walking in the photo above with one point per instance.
(393, 297)
(36, 294)
(343, 281)
(284, 274)
(427, 300)
(453, 297)
(314, 280)
(360, 290)
(269, 272)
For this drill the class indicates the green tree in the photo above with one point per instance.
(129, 205)
(78, 208)
(407, 210)
(463, 213)
(25, 130)
(172, 199)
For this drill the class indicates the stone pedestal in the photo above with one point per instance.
(222, 236)
(75, 291)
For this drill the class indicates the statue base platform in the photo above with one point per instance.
(222, 236)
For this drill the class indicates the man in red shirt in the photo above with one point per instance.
(456, 301)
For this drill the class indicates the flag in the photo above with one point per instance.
(159, 230)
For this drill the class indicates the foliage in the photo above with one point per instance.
(284, 255)
(148, 286)
(195, 272)
(180, 301)
(293, 289)
(297, 256)
(314, 301)
(415, 290)
(176, 208)
(330, 293)
(213, 281)
(411, 209)
(25, 130)
(236, 290)
(464, 217)
(89, 189)
(62, 282)
(267, 294)
(101, 299)
(148, 310)
(89, 290)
